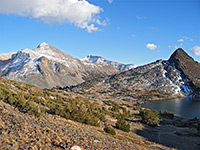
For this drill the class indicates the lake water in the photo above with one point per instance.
(187, 108)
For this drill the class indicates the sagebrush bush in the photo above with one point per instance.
(122, 125)
(167, 114)
(109, 130)
(150, 117)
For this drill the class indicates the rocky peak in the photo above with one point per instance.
(43, 45)
(189, 69)
(179, 55)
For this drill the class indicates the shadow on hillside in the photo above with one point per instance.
(167, 136)
(130, 120)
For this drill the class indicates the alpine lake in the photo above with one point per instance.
(182, 107)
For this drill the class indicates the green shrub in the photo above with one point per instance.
(150, 117)
(122, 125)
(11, 99)
(31, 108)
(109, 130)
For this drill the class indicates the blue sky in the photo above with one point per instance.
(127, 31)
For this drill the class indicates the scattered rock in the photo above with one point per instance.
(75, 148)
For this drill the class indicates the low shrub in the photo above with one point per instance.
(166, 114)
(150, 117)
(122, 125)
(109, 130)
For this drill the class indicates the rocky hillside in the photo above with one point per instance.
(47, 67)
(101, 60)
(32, 118)
(159, 80)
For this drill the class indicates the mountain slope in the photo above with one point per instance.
(189, 69)
(158, 80)
(46, 67)
(101, 60)
(32, 118)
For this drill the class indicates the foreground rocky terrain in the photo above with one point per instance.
(32, 118)
(38, 121)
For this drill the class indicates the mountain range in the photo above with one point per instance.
(48, 67)
(162, 79)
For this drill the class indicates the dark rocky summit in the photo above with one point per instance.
(188, 67)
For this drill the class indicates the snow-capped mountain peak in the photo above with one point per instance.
(43, 45)
(93, 59)
(101, 60)
(47, 66)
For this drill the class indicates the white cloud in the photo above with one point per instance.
(195, 50)
(180, 40)
(181, 44)
(151, 46)
(176, 47)
(110, 1)
(78, 12)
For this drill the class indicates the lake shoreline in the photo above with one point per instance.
(184, 107)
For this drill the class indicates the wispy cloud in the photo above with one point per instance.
(195, 50)
(110, 1)
(140, 17)
(184, 38)
(78, 12)
(151, 46)
(175, 47)
(180, 40)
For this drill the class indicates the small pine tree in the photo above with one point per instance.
(109, 130)
(150, 117)
(122, 125)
